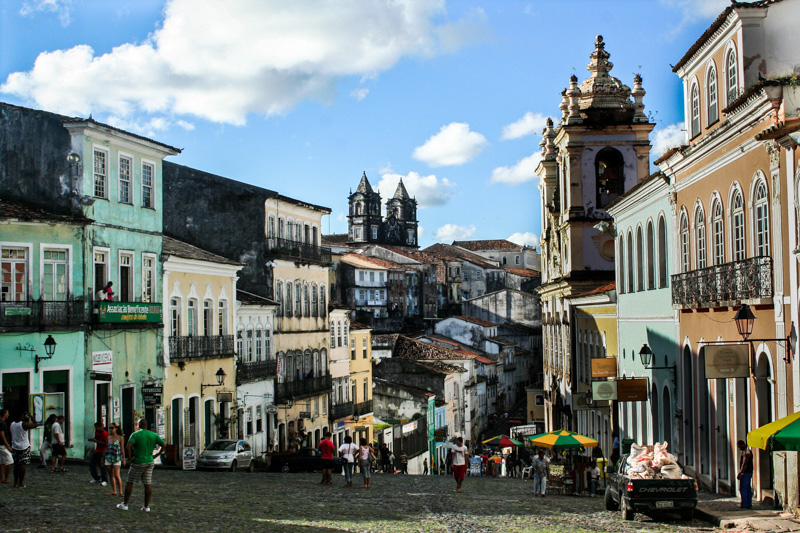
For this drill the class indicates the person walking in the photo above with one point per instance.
(385, 458)
(425, 467)
(96, 460)
(21, 447)
(47, 436)
(745, 475)
(541, 469)
(403, 462)
(140, 449)
(348, 451)
(460, 456)
(6, 458)
(115, 458)
(326, 450)
(59, 444)
(614, 448)
(364, 460)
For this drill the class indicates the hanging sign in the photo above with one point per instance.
(632, 390)
(604, 367)
(727, 361)
(604, 391)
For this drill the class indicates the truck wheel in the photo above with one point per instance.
(687, 514)
(285, 469)
(627, 514)
(611, 505)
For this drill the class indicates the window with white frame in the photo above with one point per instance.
(259, 420)
(279, 297)
(55, 274)
(175, 317)
(639, 260)
(15, 271)
(366, 391)
(651, 257)
(339, 333)
(631, 279)
(662, 253)
(222, 317)
(762, 220)
(695, 110)
(280, 228)
(374, 232)
(346, 331)
(290, 229)
(700, 238)
(125, 277)
(267, 343)
(732, 82)
(298, 232)
(148, 278)
(100, 173)
(737, 217)
(622, 263)
(100, 269)
(249, 350)
(363, 347)
(684, 244)
(240, 342)
(711, 87)
(208, 318)
(718, 233)
(191, 318)
(298, 304)
(323, 309)
(125, 167)
(259, 344)
(360, 275)
(289, 298)
(271, 227)
(148, 175)
(372, 276)
(313, 300)
(306, 305)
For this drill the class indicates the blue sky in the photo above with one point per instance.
(303, 96)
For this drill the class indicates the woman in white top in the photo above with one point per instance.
(365, 452)
(21, 447)
(348, 450)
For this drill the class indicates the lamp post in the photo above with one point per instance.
(646, 355)
(745, 320)
(220, 375)
(49, 349)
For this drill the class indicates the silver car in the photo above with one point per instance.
(227, 454)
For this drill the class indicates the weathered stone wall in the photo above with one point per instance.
(408, 373)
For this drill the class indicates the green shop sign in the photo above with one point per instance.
(128, 312)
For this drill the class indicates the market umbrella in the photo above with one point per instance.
(562, 440)
(783, 434)
(503, 441)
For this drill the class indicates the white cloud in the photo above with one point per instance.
(360, 93)
(529, 123)
(526, 238)
(429, 191)
(221, 61)
(693, 11)
(455, 144)
(59, 7)
(452, 232)
(472, 28)
(524, 170)
(666, 138)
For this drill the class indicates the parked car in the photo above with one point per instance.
(303, 460)
(648, 496)
(227, 454)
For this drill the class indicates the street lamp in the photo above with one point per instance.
(49, 349)
(646, 355)
(745, 320)
(220, 380)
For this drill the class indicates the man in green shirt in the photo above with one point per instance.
(140, 450)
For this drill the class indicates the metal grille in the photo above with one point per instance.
(188, 348)
(721, 285)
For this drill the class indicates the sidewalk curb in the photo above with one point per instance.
(705, 516)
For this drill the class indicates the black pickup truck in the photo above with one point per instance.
(648, 496)
(303, 460)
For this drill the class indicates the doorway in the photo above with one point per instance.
(208, 418)
(102, 403)
(721, 404)
(128, 410)
(765, 415)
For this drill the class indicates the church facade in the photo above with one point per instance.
(367, 225)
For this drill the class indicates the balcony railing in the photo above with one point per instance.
(196, 348)
(32, 314)
(255, 370)
(363, 408)
(724, 285)
(341, 410)
(509, 367)
(295, 250)
(302, 388)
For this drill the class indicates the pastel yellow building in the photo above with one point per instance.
(361, 381)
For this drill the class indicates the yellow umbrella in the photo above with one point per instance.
(562, 440)
(783, 429)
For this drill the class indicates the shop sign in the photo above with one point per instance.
(604, 367)
(152, 395)
(18, 311)
(410, 427)
(103, 361)
(604, 391)
(632, 390)
(189, 458)
(128, 312)
(305, 414)
(727, 361)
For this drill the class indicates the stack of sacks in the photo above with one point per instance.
(653, 462)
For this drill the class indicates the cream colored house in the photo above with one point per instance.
(361, 381)
(199, 348)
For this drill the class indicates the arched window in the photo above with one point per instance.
(662, 253)
(259, 344)
(695, 110)
(651, 253)
(279, 297)
(306, 304)
(700, 238)
(622, 264)
(290, 229)
(298, 303)
(250, 348)
(732, 81)
(684, 244)
(610, 176)
(267, 343)
(639, 260)
(762, 219)
(711, 88)
(630, 263)
(323, 308)
(718, 233)
(737, 215)
(240, 341)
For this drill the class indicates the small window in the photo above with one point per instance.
(732, 81)
(125, 165)
(148, 171)
(700, 239)
(711, 85)
(175, 317)
(222, 317)
(100, 167)
(14, 281)
(737, 213)
(761, 220)
(695, 110)
(191, 318)
(718, 233)
(208, 318)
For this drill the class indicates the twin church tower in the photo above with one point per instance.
(366, 225)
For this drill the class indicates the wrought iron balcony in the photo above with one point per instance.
(341, 410)
(297, 251)
(724, 285)
(302, 388)
(196, 348)
(255, 370)
(37, 315)
(363, 408)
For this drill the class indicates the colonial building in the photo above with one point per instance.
(599, 150)
(506, 253)
(366, 224)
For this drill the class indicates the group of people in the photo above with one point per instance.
(353, 455)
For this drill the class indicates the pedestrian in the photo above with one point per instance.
(47, 436)
(595, 479)
(365, 454)
(540, 472)
(391, 463)
(745, 475)
(115, 458)
(326, 450)
(425, 467)
(403, 463)
(385, 458)
(140, 449)
(96, 462)
(448, 462)
(21, 446)
(614, 448)
(348, 450)
(511, 466)
(59, 444)
(6, 458)
(460, 456)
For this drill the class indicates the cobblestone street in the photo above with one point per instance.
(223, 501)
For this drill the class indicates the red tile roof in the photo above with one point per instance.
(491, 244)
(446, 251)
(407, 348)
(363, 261)
(440, 367)
(478, 321)
(524, 272)
(598, 290)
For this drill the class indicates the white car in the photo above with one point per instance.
(227, 454)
